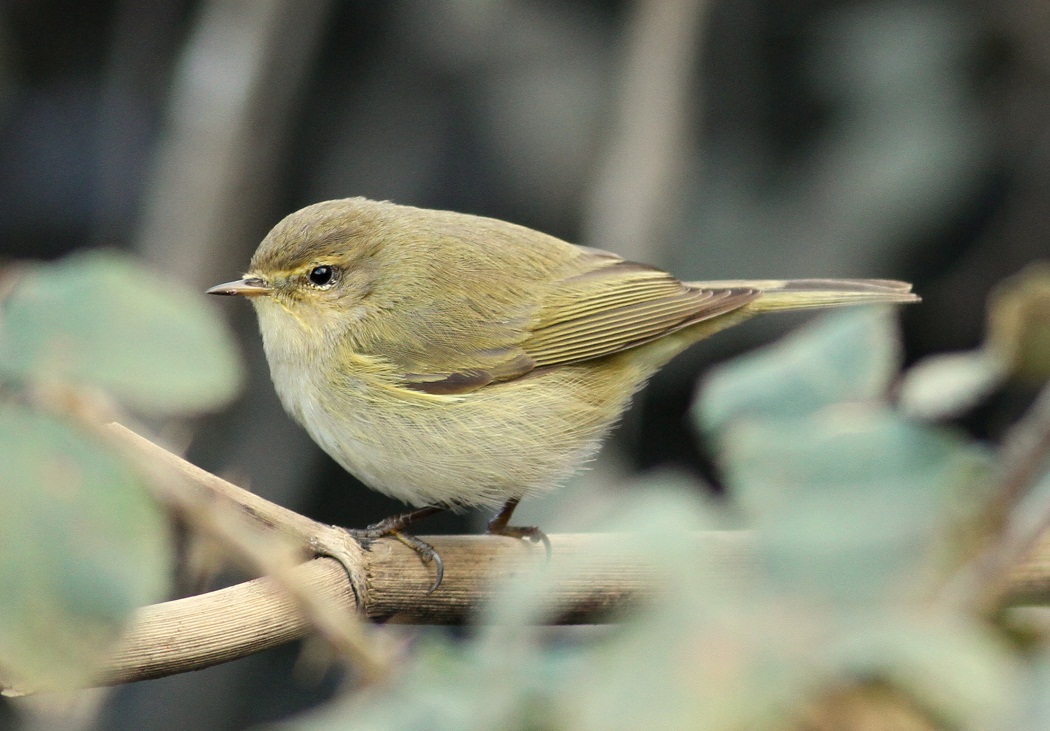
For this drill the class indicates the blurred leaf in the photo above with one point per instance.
(98, 319)
(653, 527)
(943, 386)
(1035, 693)
(81, 545)
(955, 669)
(706, 651)
(703, 652)
(851, 355)
(739, 669)
(508, 676)
(845, 500)
(1019, 322)
(444, 686)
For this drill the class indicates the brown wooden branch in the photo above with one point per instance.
(193, 633)
(200, 631)
(196, 632)
(388, 583)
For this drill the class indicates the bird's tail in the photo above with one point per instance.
(798, 294)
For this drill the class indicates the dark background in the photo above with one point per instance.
(741, 138)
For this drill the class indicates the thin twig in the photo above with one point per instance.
(257, 533)
(264, 512)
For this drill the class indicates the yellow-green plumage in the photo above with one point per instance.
(458, 360)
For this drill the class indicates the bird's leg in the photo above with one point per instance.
(395, 526)
(395, 523)
(498, 527)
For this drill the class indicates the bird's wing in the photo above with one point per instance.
(618, 306)
(603, 306)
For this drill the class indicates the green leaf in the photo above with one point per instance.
(943, 386)
(847, 502)
(955, 669)
(848, 356)
(694, 636)
(1035, 702)
(98, 319)
(81, 545)
(443, 687)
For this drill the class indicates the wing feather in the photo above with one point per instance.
(601, 330)
(609, 305)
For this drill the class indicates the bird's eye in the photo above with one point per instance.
(322, 276)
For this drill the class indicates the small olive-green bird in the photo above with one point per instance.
(450, 360)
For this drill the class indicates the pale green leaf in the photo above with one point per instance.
(99, 319)
(848, 500)
(81, 545)
(955, 669)
(851, 355)
(943, 386)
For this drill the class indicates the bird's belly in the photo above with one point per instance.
(483, 448)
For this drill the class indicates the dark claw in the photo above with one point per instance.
(394, 526)
(534, 534)
(541, 537)
(426, 554)
(439, 565)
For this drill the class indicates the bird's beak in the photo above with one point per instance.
(249, 287)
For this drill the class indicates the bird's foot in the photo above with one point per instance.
(394, 526)
(530, 532)
(498, 527)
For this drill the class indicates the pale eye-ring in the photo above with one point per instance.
(322, 276)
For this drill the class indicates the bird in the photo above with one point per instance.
(455, 361)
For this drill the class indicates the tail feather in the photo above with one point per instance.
(798, 294)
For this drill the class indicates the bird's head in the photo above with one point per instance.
(311, 276)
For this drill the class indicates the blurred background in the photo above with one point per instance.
(731, 139)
